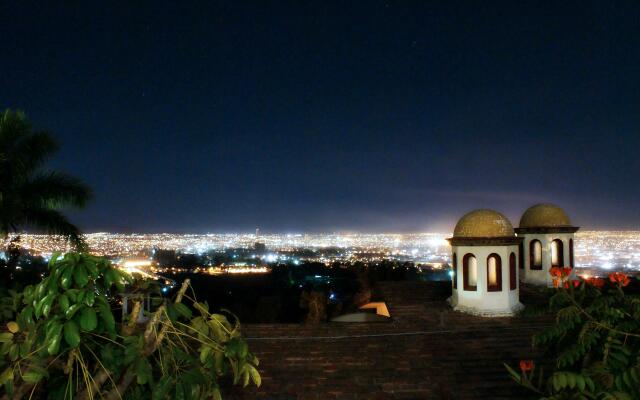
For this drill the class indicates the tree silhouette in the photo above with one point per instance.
(31, 196)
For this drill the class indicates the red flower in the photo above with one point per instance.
(620, 278)
(526, 365)
(575, 282)
(556, 272)
(597, 282)
(560, 272)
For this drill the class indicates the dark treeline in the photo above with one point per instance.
(283, 295)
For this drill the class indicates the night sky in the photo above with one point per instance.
(314, 117)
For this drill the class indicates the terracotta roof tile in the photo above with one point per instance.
(427, 351)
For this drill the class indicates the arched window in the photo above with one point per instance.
(535, 254)
(571, 253)
(494, 273)
(521, 255)
(454, 270)
(557, 253)
(470, 272)
(513, 279)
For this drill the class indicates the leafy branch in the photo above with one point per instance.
(62, 339)
(595, 341)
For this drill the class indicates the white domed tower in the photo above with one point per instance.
(547, 242)
(484, 257)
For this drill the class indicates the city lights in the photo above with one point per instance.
(596, 251)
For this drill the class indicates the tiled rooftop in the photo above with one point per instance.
(427, 351)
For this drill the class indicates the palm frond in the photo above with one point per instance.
(54, 223)
(56, 190)
(33, 150)
(28, 196)
(22, 151)
(13, 126)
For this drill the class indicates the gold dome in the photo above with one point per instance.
(483, 224)
(544, 216)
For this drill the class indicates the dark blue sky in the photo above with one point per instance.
(320, 116)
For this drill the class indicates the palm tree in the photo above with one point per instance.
(31, 196)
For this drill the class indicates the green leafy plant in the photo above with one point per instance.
(62, 339)
(595, 341)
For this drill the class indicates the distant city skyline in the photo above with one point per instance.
(328, 116)
(594, 250)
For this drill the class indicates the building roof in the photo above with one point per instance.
(426, 351)
(483, 223)
(544, 215)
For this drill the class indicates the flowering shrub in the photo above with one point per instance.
(595, 341)
(62, 340)
(619, 278)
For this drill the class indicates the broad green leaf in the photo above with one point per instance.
(562, 380)
(255, 375)
(14, 352)
(28, 294)
(63, 301)
(54, 259)
(32, 376)
(80, 276)
(108, 278)
(6, 337)
(107, 318)
(218, 358)
(245, 376)
(580, 382)
(204, 353)
(89, 298)
(183, 310)
(92, 269)
(54, 338)
(47, 304)
(67, 278)
(571, 380)
(71, 334)
(40, 288)
(171, 312)
(88, 319)
(6, 376)
(71, 311)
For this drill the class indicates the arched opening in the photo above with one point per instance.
(494, 273)
(571, 253)
(557, 253)
(535, 254)
(513, 280)
(470, 272)
(454, 270)
(521, 255)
